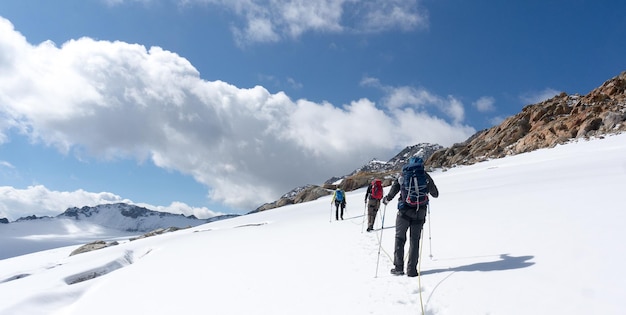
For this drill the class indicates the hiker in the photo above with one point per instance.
(339, 198)
(373, 195)
(414, 185)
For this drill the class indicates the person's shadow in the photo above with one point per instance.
(506, 262)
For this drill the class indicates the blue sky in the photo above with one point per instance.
(217, 106)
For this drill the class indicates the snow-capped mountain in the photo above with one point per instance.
(130, 218)
(126, 217)
(88, 224)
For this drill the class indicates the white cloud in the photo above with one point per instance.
(183, 208)
(382, 15)
(419, 99)
(294, 84)
(257, 30)
(485, 104)
(5, 164)
(538, 96)
(262, 21)
(248, 146)
(370, 81)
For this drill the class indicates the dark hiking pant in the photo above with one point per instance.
(372, 209)
(412, 221)
(337, 206)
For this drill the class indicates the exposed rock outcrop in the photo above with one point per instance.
(297, 195)
(91, 247)
(543, 125)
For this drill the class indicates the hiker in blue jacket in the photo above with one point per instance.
(339, 198)
(412, 209)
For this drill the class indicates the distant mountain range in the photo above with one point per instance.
(125, 217)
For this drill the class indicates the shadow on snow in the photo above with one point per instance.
(506, 262)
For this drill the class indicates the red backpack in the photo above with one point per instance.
(377, 189)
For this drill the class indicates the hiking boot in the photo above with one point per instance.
(412, 274)
(369, 229)
(397, 272)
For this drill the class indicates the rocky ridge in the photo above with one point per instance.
(544, 125)
(358, 178)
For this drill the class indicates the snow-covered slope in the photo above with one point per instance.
(536, 233)
(24, 237)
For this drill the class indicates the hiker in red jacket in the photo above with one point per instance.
(373, 195)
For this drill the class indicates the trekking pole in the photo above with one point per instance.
(330, 219)
(380, 241)
(430, 239)
(364, 213)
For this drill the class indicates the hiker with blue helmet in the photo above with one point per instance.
(414, 185)
(339, 199)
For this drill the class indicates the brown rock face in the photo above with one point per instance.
(309, 193)
(543, 125)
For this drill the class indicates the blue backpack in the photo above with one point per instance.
(414, 188)
(339, 195)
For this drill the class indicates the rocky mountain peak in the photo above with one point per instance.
(544, 125)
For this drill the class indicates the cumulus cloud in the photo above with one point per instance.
(419, 99)
(112, 100)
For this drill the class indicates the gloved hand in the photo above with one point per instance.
(385, 200)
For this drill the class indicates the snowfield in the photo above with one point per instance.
(536, 233)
